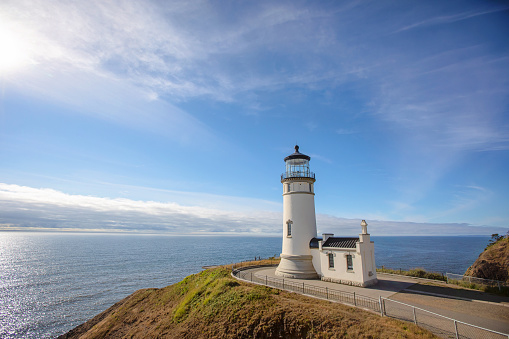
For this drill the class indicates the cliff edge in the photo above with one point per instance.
(212, 304)
(493, 263)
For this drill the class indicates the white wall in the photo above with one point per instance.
(317, 264)
(362, 259)
(299, 207)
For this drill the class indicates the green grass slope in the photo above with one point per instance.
(212, 304)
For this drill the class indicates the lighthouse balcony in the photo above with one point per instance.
(297, 174)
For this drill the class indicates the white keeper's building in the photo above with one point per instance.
(344, 260)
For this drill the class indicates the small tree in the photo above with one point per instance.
(494, 238)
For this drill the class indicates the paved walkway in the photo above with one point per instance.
(384, 288)
(473, 307)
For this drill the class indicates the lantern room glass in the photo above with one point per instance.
(297, 168)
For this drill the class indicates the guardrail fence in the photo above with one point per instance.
(475, 280)
(438, 324)
(316, 291)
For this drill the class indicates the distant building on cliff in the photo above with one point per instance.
(305, 256)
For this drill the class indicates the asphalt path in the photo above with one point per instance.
(470, 306)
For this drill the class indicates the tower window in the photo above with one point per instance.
(289, 228)
(349, 262)
(331, 260)
(288, 187)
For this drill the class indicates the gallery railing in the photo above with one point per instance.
(293, 174)
(438, 324)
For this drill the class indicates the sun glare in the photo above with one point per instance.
(14, 52)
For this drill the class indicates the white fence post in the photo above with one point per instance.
(415, 317)
(354, 301)
(381, 307)
(456, 329)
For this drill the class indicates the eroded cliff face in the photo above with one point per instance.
(493, 263)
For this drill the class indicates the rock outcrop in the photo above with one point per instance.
(493, 263)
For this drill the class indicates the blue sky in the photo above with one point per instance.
(175, 116)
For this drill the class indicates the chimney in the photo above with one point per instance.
(326, 236)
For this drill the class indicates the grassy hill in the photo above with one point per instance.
(212, 304)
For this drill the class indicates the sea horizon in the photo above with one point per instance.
(255, 235)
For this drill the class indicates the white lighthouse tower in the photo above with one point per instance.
(299, 221)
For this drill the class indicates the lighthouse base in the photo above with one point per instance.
(297, 267)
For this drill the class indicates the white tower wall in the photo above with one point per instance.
(299, 208)
(299, 221)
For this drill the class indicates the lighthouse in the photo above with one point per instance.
(299, 221)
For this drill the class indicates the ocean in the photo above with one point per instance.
(52, 282)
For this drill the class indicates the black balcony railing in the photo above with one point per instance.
(306, 174)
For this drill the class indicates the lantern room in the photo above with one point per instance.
(297, 166)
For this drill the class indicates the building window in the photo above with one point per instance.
(331, 260)
(349, 262)
(289, 228)
(288, 187)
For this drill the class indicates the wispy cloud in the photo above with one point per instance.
(154, 47)
(466, 198)
(445, 19)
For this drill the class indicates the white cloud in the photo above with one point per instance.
(27, 208)
(31, 208)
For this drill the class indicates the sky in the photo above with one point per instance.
(175, 116)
